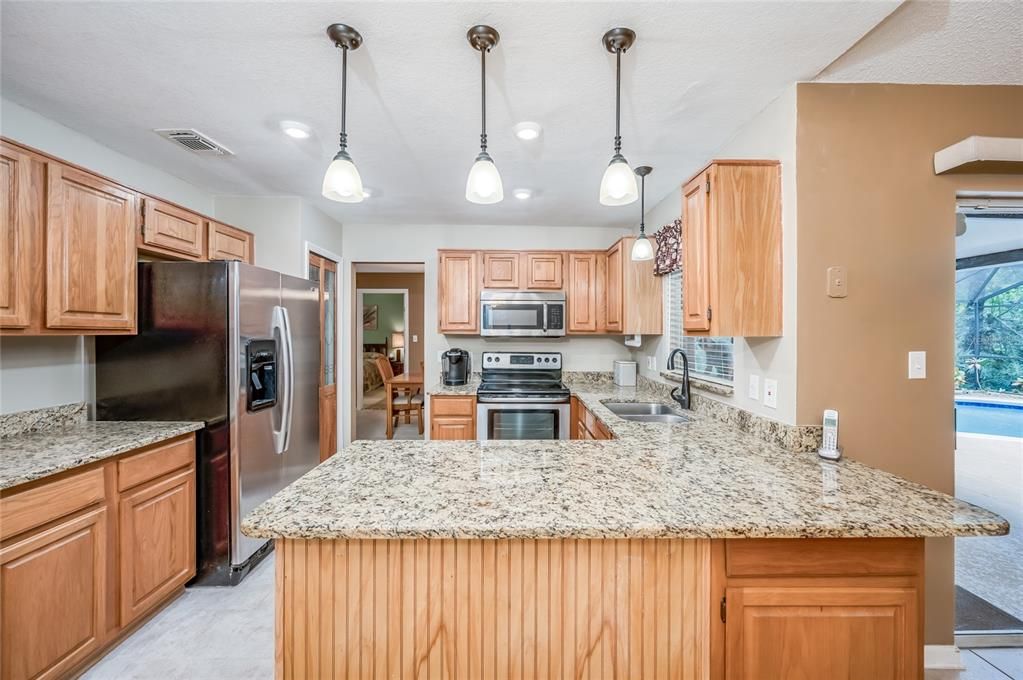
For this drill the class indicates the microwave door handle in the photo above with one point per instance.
(544, 318)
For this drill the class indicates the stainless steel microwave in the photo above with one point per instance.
(513, 313)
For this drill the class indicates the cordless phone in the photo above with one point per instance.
(830, 448)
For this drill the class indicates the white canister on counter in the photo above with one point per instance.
(625, 373)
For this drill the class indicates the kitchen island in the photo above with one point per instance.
(675, 551)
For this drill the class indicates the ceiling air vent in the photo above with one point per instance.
(194, 141)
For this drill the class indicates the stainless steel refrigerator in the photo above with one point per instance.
(238, 348)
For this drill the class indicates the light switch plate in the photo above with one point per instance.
(651, 363)
(770, 393)
(754, 386)
(838, 285)
(415, 338)
(917, 365)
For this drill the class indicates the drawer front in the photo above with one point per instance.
(155, 462)
(24, 510)
(453, 406)
(824, 557)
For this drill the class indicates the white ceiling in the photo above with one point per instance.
(932, 41)
(233, 70)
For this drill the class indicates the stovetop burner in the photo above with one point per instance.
(523, 377)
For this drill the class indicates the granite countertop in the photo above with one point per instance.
(702, 479)
(466, 390)
(33, 455)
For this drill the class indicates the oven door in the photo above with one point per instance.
(513, 318)
(522, 421)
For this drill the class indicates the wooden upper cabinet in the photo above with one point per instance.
(732, 244)
(543, 270)
(224, 242)
(20, 189)
(501, 269)
(458, 286)
(581, 296)
(614, 294)
(167, 227)
(90, 251)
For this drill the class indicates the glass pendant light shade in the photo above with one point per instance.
(342, 182)
(484, 183)
(642, 249)
(618, 187)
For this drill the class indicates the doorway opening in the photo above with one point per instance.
(387, 382)
(989, 416)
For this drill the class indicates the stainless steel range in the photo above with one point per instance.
(522, 397)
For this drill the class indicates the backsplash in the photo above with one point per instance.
(42, 419)
(790, 437)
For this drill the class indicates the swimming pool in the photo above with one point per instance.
(982, 417)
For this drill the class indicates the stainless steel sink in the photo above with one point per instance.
(646, 412)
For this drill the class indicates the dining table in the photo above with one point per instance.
(408, 382)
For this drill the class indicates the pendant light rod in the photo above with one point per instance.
(642, 171)
(483, 99)
(344, 38)
(483, 38)
(618, 101)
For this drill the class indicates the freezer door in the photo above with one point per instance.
(257, 469)
(300, 298)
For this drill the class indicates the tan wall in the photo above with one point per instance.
(868, 199)
(415, 285)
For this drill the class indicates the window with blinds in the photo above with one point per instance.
(709, 358)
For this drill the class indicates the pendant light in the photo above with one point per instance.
(484, 183)
(642, 248)
(342, 182)
(618, 186)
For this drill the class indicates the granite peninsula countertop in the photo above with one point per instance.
(34, 455)
(701, 479)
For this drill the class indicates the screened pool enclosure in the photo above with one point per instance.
(989, 328)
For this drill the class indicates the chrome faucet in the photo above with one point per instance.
(681, 393)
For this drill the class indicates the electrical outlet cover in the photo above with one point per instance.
(770, 393)
(754, 386)
(651, 363)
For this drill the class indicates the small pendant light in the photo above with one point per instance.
(618, 186)
(484, 183)
(643, 248)
(342, 182)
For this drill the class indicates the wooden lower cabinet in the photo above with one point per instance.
(81, 561)
(53, 587)
(453, 418)
(157, 541)
(597, 608)
(585, 425)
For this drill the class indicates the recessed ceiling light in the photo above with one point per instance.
(295, 130)
(522, 194)
(527, 130)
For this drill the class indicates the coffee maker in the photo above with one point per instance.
(456, 366)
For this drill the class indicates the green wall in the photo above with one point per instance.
(390, 316)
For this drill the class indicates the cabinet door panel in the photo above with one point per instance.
(19, 195)
(696, 294)
(157, 537)
(857, 633)
(458, 292)
(452, 428)
(227, 243)
(53, 588)
(544, 271)
(614, 294)
(582, 293)
(172, 228)
(500, 270)
(90, 252)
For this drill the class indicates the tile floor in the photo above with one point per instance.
(206, 634)
(989, 473)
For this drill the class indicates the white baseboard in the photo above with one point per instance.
(942, 657)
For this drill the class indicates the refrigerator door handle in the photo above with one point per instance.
(286, 363)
